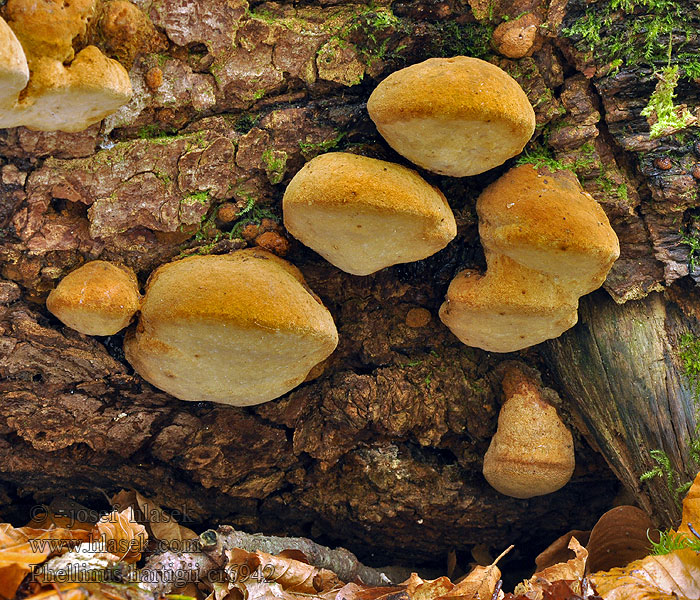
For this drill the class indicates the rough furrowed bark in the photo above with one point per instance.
(381, 452)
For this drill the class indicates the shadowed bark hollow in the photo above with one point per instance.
(382, 450)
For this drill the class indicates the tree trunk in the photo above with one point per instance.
(382, 451)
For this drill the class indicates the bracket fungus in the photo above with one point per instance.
(363, 214)
(14, 72)
(532, 451)
(240, 329)
(547, 243)
(66, 91)
(99, 298)
(454, 116)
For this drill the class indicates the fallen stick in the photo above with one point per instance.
(165, 572)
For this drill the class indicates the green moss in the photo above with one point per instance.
(246, 122)
(670, 542)
(664, 470)
(645, 38)
(690, 66)
(541, 156)
(690, 361)
(668, 117)
(153, 131)
(258, 94)
(275, 162)
(252, 213)
(467, 39)
(586, 31)
(164, 177)
(370, 31)
(261, 14)
(197, 197)
(312, 149)
(621, 192)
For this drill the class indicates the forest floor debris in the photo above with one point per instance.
(139, 552)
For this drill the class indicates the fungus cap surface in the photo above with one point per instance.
(14, 72)
(509, 308)
(99, 298)
(545, 221)
(240, 329)
(362, 214)
(547, 243)
(532, 451)
(65, 92)
(455, 116)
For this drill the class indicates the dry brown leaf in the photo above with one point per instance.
(558, 551)
(267, 591)
(430, 589)
(619, 537)
(161, 525)
(674, 576)
(21, 549)
(92, 591)
(571, 571)
(373, 593)
(479, 584)
(293, 575)
(121, 535)
(691, 508)
(348, 592)
(222, 591)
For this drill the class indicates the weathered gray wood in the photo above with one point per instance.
(621, 370)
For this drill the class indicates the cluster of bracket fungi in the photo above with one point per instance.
(244, 328)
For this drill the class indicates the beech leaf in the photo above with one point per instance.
(21, 549)
(480, 584)
(691, 508)
(121, 535)
(292, 575)
(673, 576)
(571, 571)
(163, 526)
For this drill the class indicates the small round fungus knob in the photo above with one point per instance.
(99, 298)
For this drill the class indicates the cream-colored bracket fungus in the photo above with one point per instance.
(98, 298)
(14, 72)
(240, 329)
(547, 243)
(455, 116)
(66, 91)
(362, 214)
(532, 451)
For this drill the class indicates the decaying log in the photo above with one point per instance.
(621, 369)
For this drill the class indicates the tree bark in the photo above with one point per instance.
(381, 452)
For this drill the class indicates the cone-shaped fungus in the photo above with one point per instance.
(66, 92)
(455, 116)
(363, 214)
(532, 451)
(240, 329)
(547, 242)
(98, 298)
